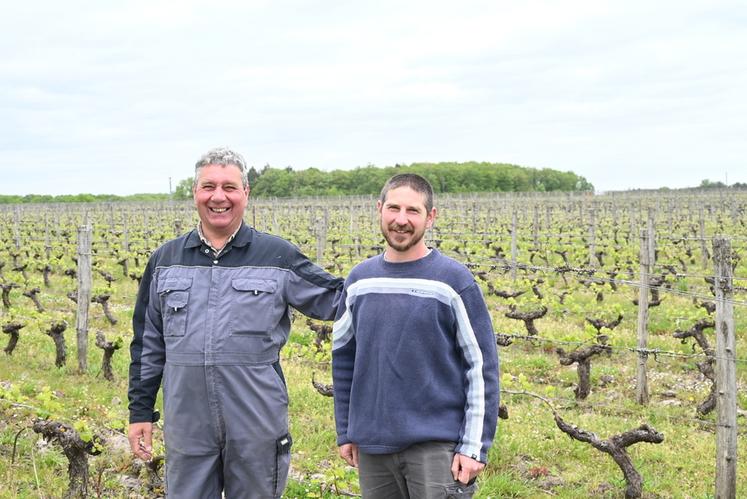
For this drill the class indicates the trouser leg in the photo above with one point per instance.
(192, 437)
(257, 448)
(380, 476)
(428, 474)
(256, 469)
(193, 476)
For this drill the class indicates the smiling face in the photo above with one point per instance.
(404, 219)
(220, 198)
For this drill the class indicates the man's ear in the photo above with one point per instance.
(430, 218)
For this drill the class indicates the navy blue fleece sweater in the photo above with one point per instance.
(414, 358)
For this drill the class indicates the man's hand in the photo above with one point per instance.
(465, 469)
(349, 452)
(141, 440)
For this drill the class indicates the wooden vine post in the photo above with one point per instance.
(592, 238)
(275, 225)
(112, 227)
(47, 244)
(514, 250)
(474, 217)
(125, 232)
(354, 232)
(321, 236)
(17, 227)
(703, 249)
(726, 380)
(651, 228)
(633, 212)
(146, 223)
(84, 294)
(642, 373)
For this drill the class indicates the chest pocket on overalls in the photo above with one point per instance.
(174, 294)
(254, 308)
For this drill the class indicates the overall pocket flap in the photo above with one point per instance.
(255, 285)
(174, 284)
(176, 300)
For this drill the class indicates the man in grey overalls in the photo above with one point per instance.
(211, 316)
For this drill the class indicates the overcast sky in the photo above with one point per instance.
(118, 97)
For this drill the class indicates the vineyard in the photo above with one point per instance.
(620, 321)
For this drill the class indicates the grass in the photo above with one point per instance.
(531, 456)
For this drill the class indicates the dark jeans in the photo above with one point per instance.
(422, 471)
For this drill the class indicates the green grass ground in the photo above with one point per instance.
(531, 456)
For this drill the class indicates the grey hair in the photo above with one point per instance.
(414, 182)
(222, 156)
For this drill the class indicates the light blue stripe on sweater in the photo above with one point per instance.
(472, 440)
(342, 329)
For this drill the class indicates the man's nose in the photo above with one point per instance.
(401, 218)
(219, 193)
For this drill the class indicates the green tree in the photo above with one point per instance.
(708, 184)
(252, 175)
(184, 189)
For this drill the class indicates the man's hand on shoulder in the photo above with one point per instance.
(465, 469)
(140, 436)
(349, 452)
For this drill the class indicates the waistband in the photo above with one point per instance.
(221, 358)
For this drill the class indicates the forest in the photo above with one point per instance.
(445, 178)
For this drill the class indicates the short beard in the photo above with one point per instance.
(401, 247)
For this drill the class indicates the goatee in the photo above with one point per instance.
(390, 234)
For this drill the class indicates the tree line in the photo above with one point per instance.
(445, 177)
(79, 198)
(287, 182)
(367, 180)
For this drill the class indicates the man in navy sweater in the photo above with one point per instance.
(414, 361)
